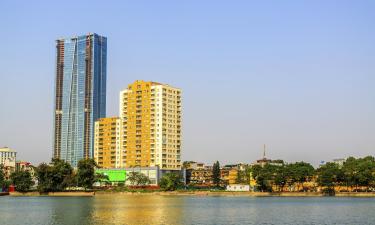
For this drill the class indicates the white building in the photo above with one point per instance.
(238, 187)
(8, 160)
(7, 153)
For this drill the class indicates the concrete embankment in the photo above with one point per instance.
(239, 194)
(194, 193)
(54, 194)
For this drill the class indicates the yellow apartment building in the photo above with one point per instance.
(150, 115)
(107, 153)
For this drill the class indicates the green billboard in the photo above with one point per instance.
(114, 175)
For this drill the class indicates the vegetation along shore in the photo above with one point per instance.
(354, 177)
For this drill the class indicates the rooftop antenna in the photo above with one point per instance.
(264, 151)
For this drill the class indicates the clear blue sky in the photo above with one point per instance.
(298, 76)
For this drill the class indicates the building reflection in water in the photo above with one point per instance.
(142, 209)
(70, 210)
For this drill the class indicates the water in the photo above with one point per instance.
(121, 209)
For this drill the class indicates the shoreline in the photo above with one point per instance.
(241, 194)
(190, 193)
(53, 194)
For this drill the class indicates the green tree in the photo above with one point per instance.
(300, 172)
(170, 182)
(264, 176)
(86, 173)
(54, 177)
(359, 172)
(329, 175)
(138, 179)
(100, 177)
(2, 177)
(216, 174)
(132, 178)
(22, 180)
(366, 171)
(281, 177)
(143, 179)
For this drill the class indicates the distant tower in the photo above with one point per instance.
(264, 151)
(80, 95)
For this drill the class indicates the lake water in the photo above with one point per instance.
(121, 209)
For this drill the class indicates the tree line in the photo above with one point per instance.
(53, 177)
(354, 174)
(59, 175)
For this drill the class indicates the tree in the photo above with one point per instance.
(366, 168)
(300, 172)
(281, 176)
(132, 178)
(138, 179)
(44, 176)
(86, 173)
(54, 177)
(264, 176)
(100, 177)
(216, 174)
(170, 182)
(350, 171)
(2, 177)
(22, 180)
(359, 172)
(329, 175)
(143, 179)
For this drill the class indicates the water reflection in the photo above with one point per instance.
(186, 210)
(70, 210)
(120, 209)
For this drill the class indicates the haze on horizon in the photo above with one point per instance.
(298, 76)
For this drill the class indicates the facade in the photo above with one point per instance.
(7, 153)
(200, 177)
(8, 161)
(238, 187)
(107, 152)
(193, 165)
(80, 95)
(150, 115)
(25, 166)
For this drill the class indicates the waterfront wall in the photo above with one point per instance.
(55, 194)
(196, 193)
(240, 194)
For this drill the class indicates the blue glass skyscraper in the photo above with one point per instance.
(80, 95)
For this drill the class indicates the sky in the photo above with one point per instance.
(298, 76)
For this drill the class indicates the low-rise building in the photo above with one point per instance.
(8, 160)
(238, 187)
(25, 166)
(200, 177)
(228, 176)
